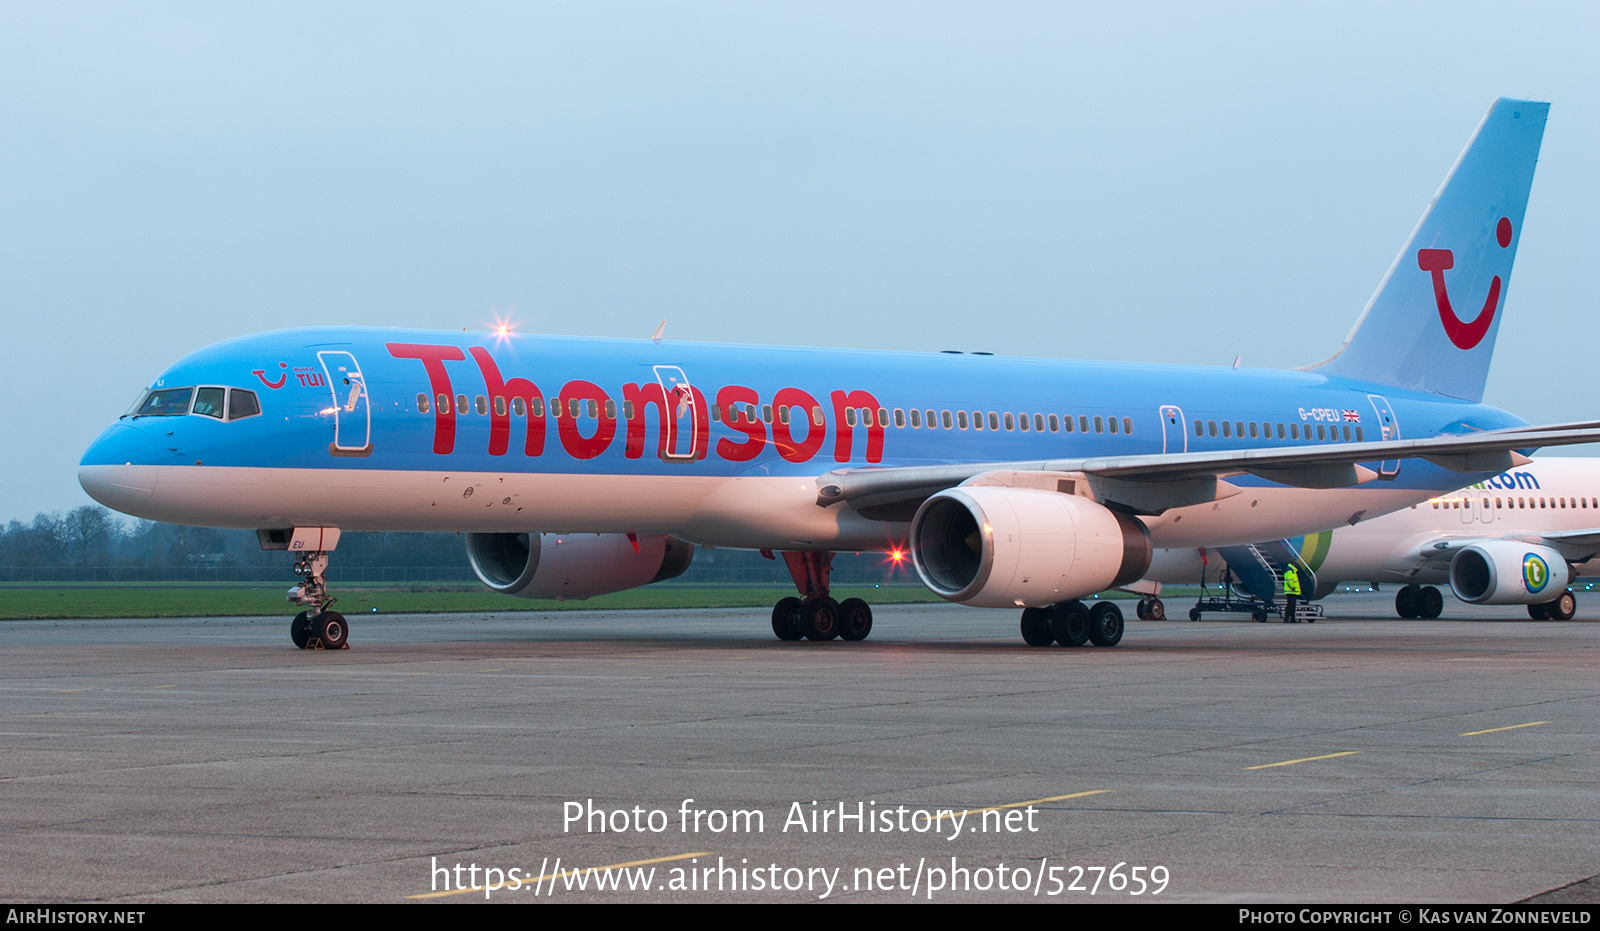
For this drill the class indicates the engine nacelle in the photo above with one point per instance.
(1505, 572)
(1000, 547)
(574, 565)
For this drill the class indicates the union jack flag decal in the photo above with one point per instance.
(1352, 415)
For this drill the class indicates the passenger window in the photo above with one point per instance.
(208, 402)
(538, 407)
(1294, 431)
(1320, 435)
(994, 421)
(572, 407)
(1055, 425)
(1083, 424)
(1066, 423)
(766, 413)
(850, 416)
(916, 419)
(611, 409)
(499, 406)
(594, 408)
(1358, 433)
(422, 404)
(1211, 427)
(1025, 422)
(816, 416)
(1011, 422)
(783, 414)
(1225, 429)
(1098, 425)
(444, 404)
(899, 417)
(1038, 423)
(944, 419)
(242, 404)
(461, 404)
(1280, 431)
(482, 405)
(519, 407)
(961, 419)
(1198, 429)
(1112, 423)
(1252, 429)
(883, 417)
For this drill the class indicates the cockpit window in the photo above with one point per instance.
(242, 403)
(165, 402)
(208, 402)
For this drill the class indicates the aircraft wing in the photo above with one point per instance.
(1437, 551)
(1151, 483)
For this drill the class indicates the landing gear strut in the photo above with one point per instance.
(815, 615)
(316, 628)
(1562, 609)
(1072, 624)
(1414, 601)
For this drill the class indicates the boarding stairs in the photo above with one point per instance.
(1258, 569)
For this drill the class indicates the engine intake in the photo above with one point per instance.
(578, 566)
(996, 547)
(1505, 572)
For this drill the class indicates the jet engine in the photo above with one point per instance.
(574, 565)
(1001, 547)
(1505, 572)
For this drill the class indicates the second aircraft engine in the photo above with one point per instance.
(1505, 572)
(574, 565)
(995, 547)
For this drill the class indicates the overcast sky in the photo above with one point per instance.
(1159, 182)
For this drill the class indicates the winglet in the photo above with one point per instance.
(659, 330)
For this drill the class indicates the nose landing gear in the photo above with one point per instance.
(316, 628)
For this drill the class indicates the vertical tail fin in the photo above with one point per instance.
(1431, 325)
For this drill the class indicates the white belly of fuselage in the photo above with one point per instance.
(754, 512)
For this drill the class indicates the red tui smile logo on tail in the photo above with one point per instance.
(1438, 261)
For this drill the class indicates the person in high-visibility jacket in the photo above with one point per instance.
(1291, 593)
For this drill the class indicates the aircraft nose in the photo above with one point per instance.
(118, 470)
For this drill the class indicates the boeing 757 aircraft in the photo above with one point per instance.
(583, 466)
(1519, 538)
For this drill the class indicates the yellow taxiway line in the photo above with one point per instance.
(1306, 759)
(1032, 801)
(1511, 727)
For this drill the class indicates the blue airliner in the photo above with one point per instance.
(583, 466)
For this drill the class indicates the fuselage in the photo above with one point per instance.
(378, 429)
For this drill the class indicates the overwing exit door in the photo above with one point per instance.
(1174, 438)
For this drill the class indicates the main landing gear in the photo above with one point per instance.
(1414, 601)
(816, 616)
(1072, 624)
(316, 628)
(1562, 609)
